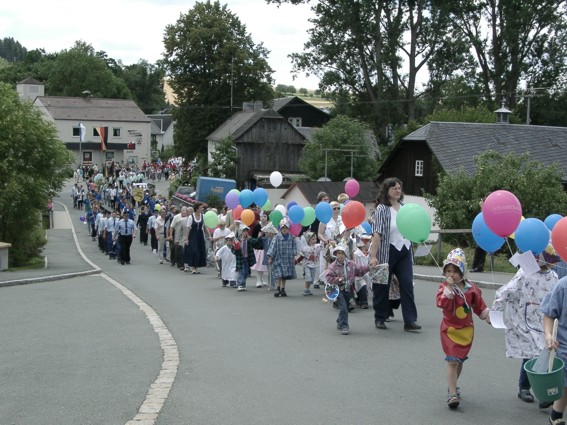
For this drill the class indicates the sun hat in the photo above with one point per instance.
(285, 223)
(457, 258)
(231, 235)
(308, 235)
(269, 228)
(339, 247)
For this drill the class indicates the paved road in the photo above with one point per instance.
(78, 351)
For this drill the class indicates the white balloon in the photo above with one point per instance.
(276, 178)
(281, 209)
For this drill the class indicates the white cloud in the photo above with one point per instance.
(130, 30)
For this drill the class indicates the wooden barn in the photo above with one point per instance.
(265, 142)
(300, 113)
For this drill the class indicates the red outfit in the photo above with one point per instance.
(457, 327)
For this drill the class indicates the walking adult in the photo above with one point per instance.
(389, 246)
(159, 232)
(142, 223)
(126, 233)
(195, 247)
(179, 229)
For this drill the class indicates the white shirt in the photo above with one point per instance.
(396, 237)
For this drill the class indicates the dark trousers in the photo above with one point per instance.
(400, 263)
(172, 253)
(143, 235)
(153, 239)
(125, 242)
(479, 258)
(362, 296)
(524, 382)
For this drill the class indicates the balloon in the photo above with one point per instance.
(235, 190)
(513, 235)
(352, 188)
(236, 213)
(354, 214)
(324, 212)
(247, 217)
(281, 209)
(367, 227)
(275, 217)
(413, 222)
(246, 198)
(484, 237)
(552, 220)
(260, 196)
(502, 212)
(296, 214)
(276, 178)
(532, 235)
(211, 219)
(82, 218)
(267, 206)
(308, 217)
(291, 204)
(559, 238)
(295, 229)
(231, 199)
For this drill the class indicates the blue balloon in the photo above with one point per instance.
(260, 196)
(324, 212)
(246, 198)
(532, 235)
(367, 227)
(552, 220)
(296, 214)
(484, 237)
(291, 204)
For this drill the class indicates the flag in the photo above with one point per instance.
(82, 131)
(103, 133)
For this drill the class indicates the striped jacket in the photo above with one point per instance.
(236, 249)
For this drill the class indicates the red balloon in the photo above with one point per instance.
(559, 238)
(237, 212)
(353, 214)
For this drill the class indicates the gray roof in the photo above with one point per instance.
(160, 122)
(455, 144)
(92, 109)
(31, 80)
(280, 102)
(241, 122)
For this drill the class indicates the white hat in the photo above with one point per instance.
(269, 228)
(231, 235)
(339, 247)
(243, 227)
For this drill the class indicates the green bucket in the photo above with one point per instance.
(546, 386)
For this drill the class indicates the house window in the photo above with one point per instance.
(76, 132)
(109, 156)
(419, 168)
(95, 132)
(132, 160)
(87, 156)
(295, 121)
(116, 132)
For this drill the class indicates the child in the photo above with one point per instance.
(227, 261)
(554, 306)
(520, 299)
(261, 266)
(342, 273)
(459, 298)
(244, 252)
(269, 232)
(281, 256)
(360, 257)
(310, 252)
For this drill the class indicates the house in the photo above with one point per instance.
(264, 140)
(300, 113)
(29, 89)
(447, 146)
(162, 131)
(128, 129)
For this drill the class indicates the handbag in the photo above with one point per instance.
(380, 274)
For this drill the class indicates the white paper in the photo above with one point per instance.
(422, 251)
(514, 260)
(497, 319)
(527, 262)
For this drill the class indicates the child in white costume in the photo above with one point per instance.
(228, 263)
(360, 257)
(310, 252)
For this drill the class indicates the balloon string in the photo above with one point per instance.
(433, 257)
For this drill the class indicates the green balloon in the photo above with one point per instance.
(211, 219)
(266, 206)
(413, 222)
(275, 217)
(309, 216)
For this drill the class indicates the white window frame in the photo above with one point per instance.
(419, 168)
(295, 121)
(116, 132)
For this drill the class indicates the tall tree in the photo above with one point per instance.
(214, 66)
(145, 82)
(34, 165)
(12, 50)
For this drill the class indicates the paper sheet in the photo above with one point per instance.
(526, 261)
(497, 319)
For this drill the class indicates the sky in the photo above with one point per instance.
(129, 30)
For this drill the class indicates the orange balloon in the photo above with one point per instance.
(559, 238)
(247, 217)
(236, 212)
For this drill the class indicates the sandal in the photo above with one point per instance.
(453, 401)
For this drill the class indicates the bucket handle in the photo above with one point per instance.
(552, 353)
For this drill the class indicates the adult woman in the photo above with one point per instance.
(328, 234)
(195, 245)
(389, 246)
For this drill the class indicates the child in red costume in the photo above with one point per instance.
(458, 298)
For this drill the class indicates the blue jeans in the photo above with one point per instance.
(400, 263)
(243, 273)
(343, 300)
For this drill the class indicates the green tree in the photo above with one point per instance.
(537, 186)
(211, 60)
(145, 82)
(12, 50)
(335, 140)
(224, 160)
(34, 165)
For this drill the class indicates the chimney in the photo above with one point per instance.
(503, 114)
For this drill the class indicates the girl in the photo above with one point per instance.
(260, 267)
(458, 298)
(310, 252)
(281, 256)
(228, 262)
(361, 283)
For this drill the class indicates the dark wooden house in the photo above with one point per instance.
(448, 146)
(300, 113)
(265, 142)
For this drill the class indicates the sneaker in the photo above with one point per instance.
(277, 293)
(264, 283)
(241, 289)
(186, 269)
(154, 251)
(558, 421)
(380, 324)
(364, 306)
(525, 395)
(411, 327)
(258, 284)
(345, 331)
(307, 292)
(161, 261)
(282, 293)
(453, 401)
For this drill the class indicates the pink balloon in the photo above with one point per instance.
(352, 188)
(502, 212)
(295, 229)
